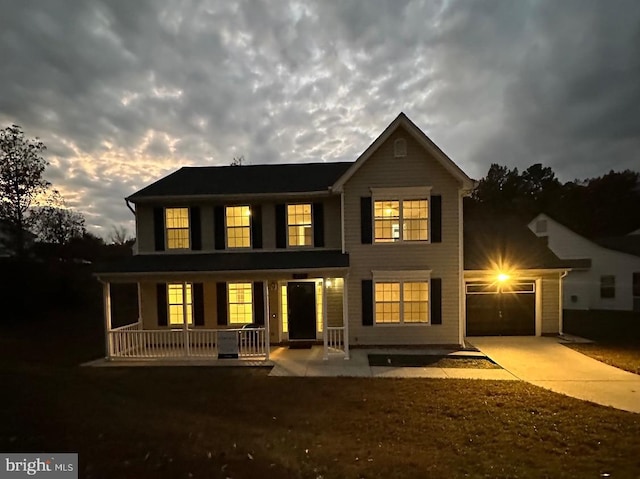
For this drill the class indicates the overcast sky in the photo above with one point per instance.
(123, 92)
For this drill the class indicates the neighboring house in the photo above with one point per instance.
(605, 272)
(361, 253)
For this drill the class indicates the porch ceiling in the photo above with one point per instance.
(226, 262)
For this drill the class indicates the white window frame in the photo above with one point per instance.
(294, 246)
(226, 228)
(416, 276)
(400, 195)
(185, 306)
(229, 303)
(188, 228)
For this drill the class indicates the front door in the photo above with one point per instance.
(301, 301)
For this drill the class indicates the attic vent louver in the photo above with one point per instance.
(400, 148)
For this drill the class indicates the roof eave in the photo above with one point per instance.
(402, 120)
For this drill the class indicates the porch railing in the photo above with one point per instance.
(335, 340)
(131, 342)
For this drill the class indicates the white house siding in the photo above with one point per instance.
(382, 170)
(584, 285)
(332, 223)
(550, 295)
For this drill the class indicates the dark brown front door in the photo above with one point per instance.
(301, 300)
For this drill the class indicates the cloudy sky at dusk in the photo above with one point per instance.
(123, 92)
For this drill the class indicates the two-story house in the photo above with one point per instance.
(359, 253)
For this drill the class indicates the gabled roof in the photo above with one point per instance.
(245, 180)
(629, 244)
(403, 121)
(490, 240)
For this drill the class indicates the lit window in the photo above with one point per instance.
(177, 225)
(401, 220)
(387, 302)
(300, 229)
(607, 286)
(416, 302)
(177, 300)
(319, 304)
(402, 302)
(238, 226)
(285, 316)
(240, 303)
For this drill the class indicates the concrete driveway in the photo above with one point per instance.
(545, 362)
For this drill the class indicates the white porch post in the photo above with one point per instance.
(139, 306)
(325, 333)
(267, 319)
(106, 301)
(185, 324)
(345, 315)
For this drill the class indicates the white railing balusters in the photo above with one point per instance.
(131, 341)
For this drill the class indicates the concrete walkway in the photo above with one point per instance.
(545, 362)
(305, 362)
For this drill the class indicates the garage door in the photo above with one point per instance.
(501, 310)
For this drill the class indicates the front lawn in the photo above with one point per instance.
(619, 354)
(220, 422)
(616, 335)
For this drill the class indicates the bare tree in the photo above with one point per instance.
(119, 235)
(237, 160)
(21, 181)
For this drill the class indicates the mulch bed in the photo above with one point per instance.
(430, 361)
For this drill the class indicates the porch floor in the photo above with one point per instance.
(310, 363)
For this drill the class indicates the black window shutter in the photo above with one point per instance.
(436, 301)
(196, 230)
(198, 304)
(161, 300)
(281, 227)
(367, 302)
(366, 225)
(436, 219)
(256, 226)
(158, 228)
(221, 300)
(258, 303)
(318, 225)
(218, 227)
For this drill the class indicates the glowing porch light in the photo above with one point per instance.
(502, 277)
(328, 283)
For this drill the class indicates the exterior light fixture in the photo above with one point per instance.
(502, 277)
(328, 282)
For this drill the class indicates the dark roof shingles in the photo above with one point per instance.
(251, 179)
(224, 262)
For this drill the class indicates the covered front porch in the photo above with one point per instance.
(208, 317)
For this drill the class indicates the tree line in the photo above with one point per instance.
(608, 205)
(34, 216)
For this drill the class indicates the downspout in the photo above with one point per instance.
(128, 203)
(562, 276)
(135, 244)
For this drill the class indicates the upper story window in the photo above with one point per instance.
(299, 225)
(240, 303)
(401, 220)
(238, 223)
(179, 300)
(177, 226)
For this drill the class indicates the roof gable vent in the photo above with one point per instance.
(400, 148)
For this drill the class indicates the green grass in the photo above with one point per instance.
(220, 422)
(616, 335)
(623, 355)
